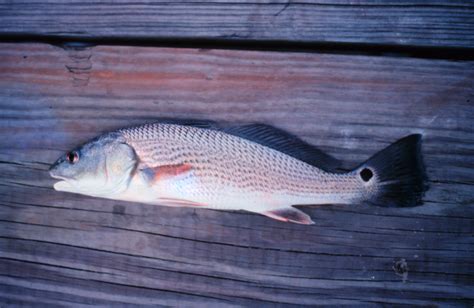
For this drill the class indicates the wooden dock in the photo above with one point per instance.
(349, 78)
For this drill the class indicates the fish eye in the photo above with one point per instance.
(72, 157)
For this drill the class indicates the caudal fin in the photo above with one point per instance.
(397, 173)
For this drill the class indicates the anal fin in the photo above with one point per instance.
(290, 214)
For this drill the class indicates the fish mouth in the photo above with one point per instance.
(58, 177)
(62, 185)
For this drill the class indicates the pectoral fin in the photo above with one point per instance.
(289, 214)
(156, 174)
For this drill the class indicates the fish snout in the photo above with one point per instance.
(53, 169)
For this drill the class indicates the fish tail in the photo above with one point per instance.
(395, 176)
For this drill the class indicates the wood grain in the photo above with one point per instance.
(433, 23)
(65, 249)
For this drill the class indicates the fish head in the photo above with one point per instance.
(101, 167)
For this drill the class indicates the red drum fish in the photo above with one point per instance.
(254, 167)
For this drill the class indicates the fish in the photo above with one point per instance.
(252, 167)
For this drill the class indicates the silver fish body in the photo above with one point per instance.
(183, 165)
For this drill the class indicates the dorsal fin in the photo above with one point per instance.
(189, 122)
(286, 143)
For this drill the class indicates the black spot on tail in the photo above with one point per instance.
(399, 173)
(366, 174)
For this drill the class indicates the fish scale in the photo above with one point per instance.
(226, 163)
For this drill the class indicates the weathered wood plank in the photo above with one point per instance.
(64, 249)
(415, 22)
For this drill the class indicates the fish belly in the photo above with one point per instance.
(216, 193)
